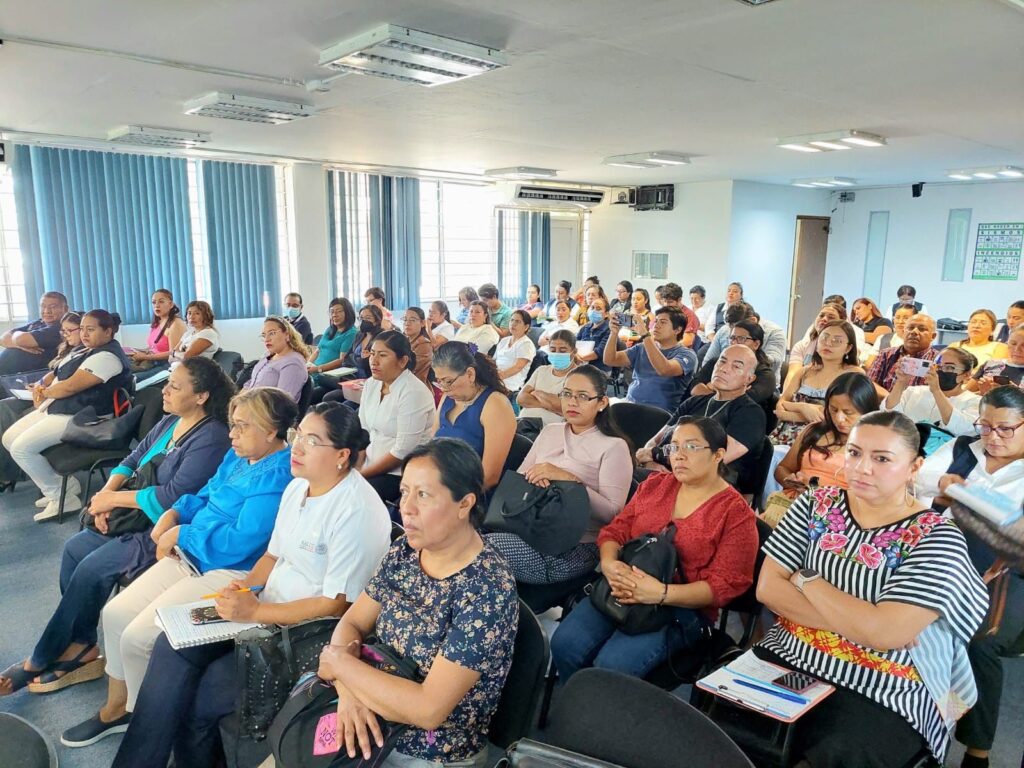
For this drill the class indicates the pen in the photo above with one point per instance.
(780, 694)
(254, 590)
(724, 692)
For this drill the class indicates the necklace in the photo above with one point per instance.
(718, 410)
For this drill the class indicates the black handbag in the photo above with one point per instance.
(552, 520)
(299, 740)
(527, 753)
(654, 554)
(109, 433)
(270, 661)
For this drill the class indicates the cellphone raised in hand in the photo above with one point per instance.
(913, 366)
(1002, 381)
(625, 319)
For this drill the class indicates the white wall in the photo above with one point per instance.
(917, 241)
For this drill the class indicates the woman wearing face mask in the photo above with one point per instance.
(997, 373)
(201, 338)
(538, 398)
(875, 594)
(563, 322)
(515, 352)
(165, 331)
(439, 324)
(374, 297)
(475, 407)
(942, 401)
(284, 364)
(292, 312)
(335, 343)
(595, 331)
(981, 327)
(415, 329)
(478, 328)
(370, 319)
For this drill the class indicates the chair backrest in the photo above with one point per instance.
(629, 722)
(761, 470)
(151, 400)
(783, 373)
(305, 397)
(517, 452)
(534, 334)
(640, 422)
(747, 602)
(523, 687)
(230, 362)
(397, 532)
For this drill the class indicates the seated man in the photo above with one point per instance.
(672, 297)
(942, 401)
(742, 418)
(498, 312)
(662, 366)
(30, 347)
(917, 343)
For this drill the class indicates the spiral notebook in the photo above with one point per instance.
(177, 624)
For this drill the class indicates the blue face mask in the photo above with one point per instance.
(594, 316)
(560, 360)
(292, 312)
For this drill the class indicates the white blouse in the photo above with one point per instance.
(484, 337)
(400, 421)
(1008, 481)
(506, 356)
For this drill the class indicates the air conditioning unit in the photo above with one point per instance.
(555, 198)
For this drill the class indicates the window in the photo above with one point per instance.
(874, 257)
(352, 246)
(197, 214)
(649, 266)
(285, 215)
(13, 303)
(958, 230)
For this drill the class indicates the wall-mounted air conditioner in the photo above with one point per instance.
(556, 198)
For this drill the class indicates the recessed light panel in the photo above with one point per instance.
(522, 172)
(249, 109)
(655, 159)
(832, 141)
(148, 136)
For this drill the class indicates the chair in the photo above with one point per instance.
(305, 397)
(597, 708)
(756, 484)
(25, 746)
(521, 693)
(66, 459)
(638, 421)
(517, 453)
(397, 532)
(534, 335)
(783, 373)
(230, 362)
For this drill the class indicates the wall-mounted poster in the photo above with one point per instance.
(997, 252)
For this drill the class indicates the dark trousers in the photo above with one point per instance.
(90, 567)
(386, 486)
(182, 700)
(11, 409)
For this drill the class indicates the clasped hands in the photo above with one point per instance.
(543, 474)
(632, 586)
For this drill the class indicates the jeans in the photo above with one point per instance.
(183, 697)
(587, 638)
(89, 569)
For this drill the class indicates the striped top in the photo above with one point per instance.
(921, 560)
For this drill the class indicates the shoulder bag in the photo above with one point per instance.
(552, 520)
(654, 554)
(527, 753)
(107, 433)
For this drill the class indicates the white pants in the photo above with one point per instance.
(26, 440)
(129, 619)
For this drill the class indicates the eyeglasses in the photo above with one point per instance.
(269, 335)
(1002, 431)
(296, 438)
(673, 448)
(449, 383)
(580, 397)
(834, 341)
(950, 368)
(69, 331)
(238, 426)
(740, 339)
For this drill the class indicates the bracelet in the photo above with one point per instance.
(644, 337)
(664, 594)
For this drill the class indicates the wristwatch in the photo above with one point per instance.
(804, 576)
(644, 336)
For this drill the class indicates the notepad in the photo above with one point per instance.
(733, 681)
(21, 394)
(156, 378)
(177, 624)
(337, 373)
(995, 507)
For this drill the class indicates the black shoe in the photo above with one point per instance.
(94, 729)
(971, 761)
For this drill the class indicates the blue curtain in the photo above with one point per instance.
(405, 275)
(104, 228)
(539, 250)
(533, 258)
(241, 232)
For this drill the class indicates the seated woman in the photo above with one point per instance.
(716, 539)
(533, 306)
(801, 351)
(539, 397)
(587, 449)
(866, 315)
(221, 531)
(86, 376)
(563, 322)
(475, 406)
(943, 401)
(762, 391)
(561, 294)
(478, 328)
(596, 331)
(185, 693)
(463, 644)
(200, 338)
(397, 411)
(183, 449)
(835, 352)
(981, 328)
(818, 456)
(165, 332)
(335, 343)
(515, 352)
(439, 324)
(642, 305)
(371, 322)
(875, 594)
(415, 329)
(467, 296)
(997, 373)
(284, 365)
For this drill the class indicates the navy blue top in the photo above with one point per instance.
(467, 426)
(46, 336)
(599, 335)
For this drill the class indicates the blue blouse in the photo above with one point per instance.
(467, 426)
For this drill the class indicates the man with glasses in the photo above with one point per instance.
(763, 390)
(917, 345)
(942, 400)
(30, 347)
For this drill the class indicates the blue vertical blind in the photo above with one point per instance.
(104, 228)
(241, 231)
(403, 284)
(524, 253)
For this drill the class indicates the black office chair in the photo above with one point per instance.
(783, 373)
(639, 422)
(230, 362)
(759, 480)
(25, 746)
(305, 397)
(517, 453)
(597, 709)
(521, 693)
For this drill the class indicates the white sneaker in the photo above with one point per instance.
(74, 489)
(43, 501)
(71, 504)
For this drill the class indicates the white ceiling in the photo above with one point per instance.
(943, 79)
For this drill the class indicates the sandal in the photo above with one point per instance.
(72, 672)
(19, 676)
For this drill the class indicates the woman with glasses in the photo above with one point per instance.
(330, 535)
(715, 538)
(478, 328)
(415, 328)
(86, 376)
(475, 407)
(588, 449)
(942, 401)
(203, 543)
(800, 352)
(284, 364)
(997, 373)
(182, 451)
(335, 343)
(802, 401)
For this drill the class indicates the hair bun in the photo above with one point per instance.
(362, 440)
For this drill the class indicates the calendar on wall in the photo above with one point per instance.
(997, 251)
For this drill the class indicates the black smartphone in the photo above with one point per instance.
(797, 682)
(207, 615)
(624, 319)
(1002, 381)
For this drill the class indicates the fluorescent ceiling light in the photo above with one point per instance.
(148, 136)
(830, 181)
(250, 109)
(667, 158)
(656, 159)
(832, 141)
(801, 184)
(960, 176)
(984, 175)
(1006, 171)
(1011, 172)
(522, 172)
(625, 164)
(410, 56)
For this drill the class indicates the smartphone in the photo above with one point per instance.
(1002, 381)
(797, 682)
(625, 319)
(912, 366)
(186, 561)
(207, 615)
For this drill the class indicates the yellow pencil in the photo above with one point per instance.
(254, 590)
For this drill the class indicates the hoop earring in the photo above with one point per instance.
(910, 493)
